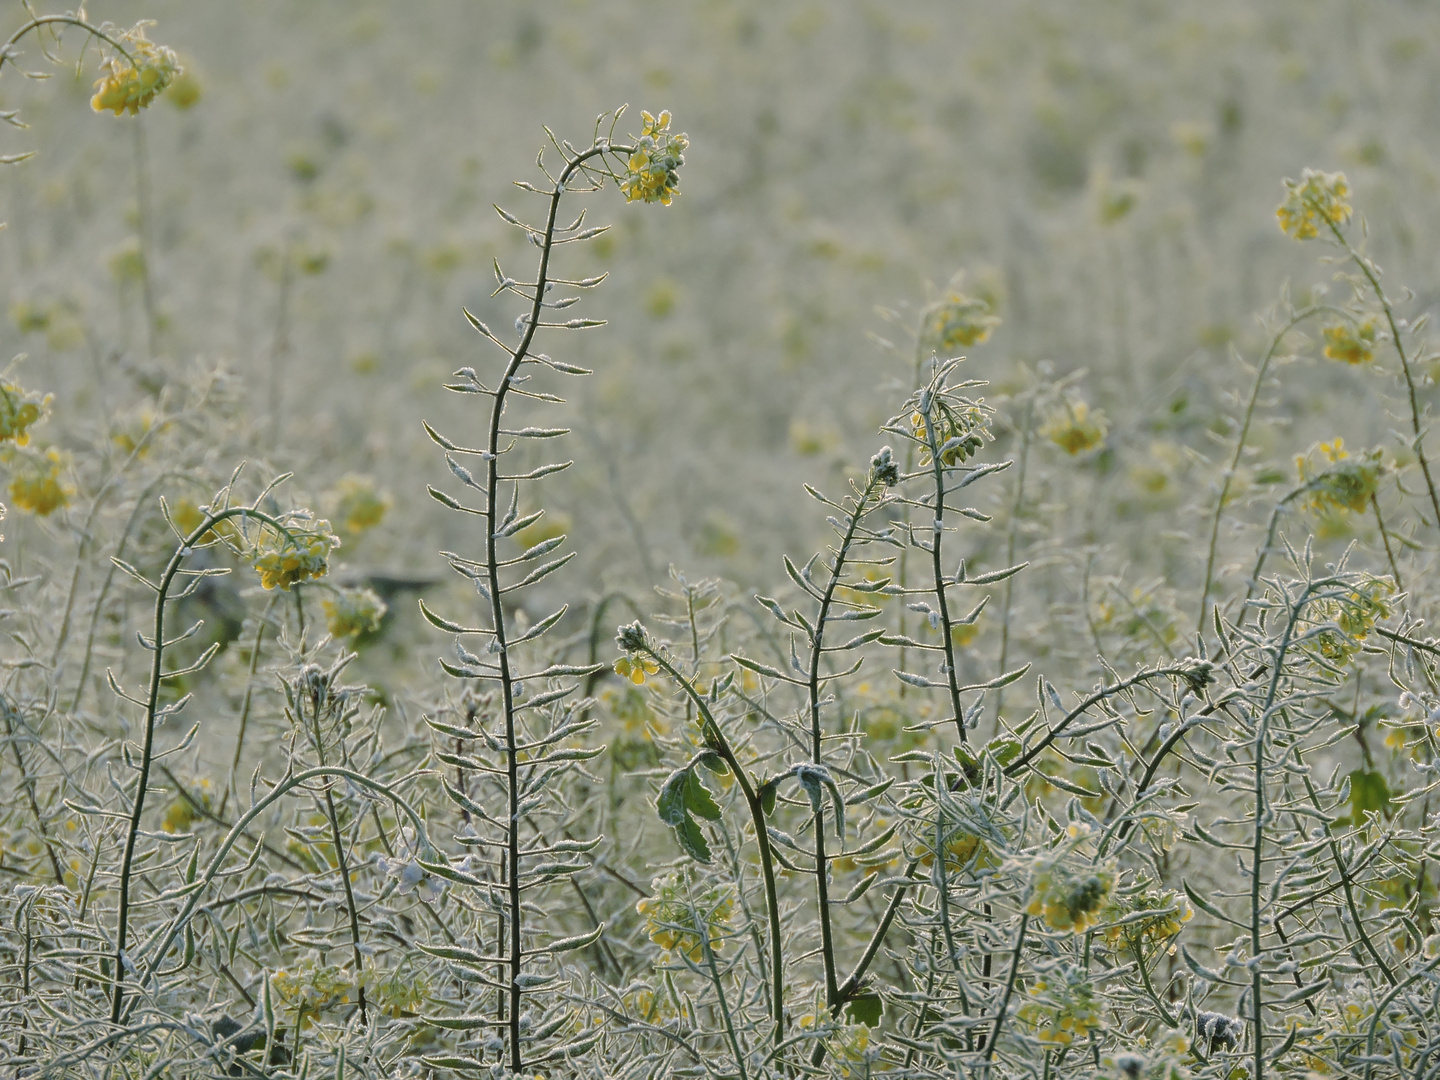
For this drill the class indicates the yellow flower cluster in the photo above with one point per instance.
(1147, 922)
(679, 921)
(181, 813)
(39, 484)
(396, 993)
(848, 1044)
(1062, 1007)
(138, 432)
(1347, 484)
(296, 556)
(635, 668)
(313, 988)
(957, 321)
(653, 1006)
(1354, 345)
(960, 848)
(1068, 900)
(359, 504)
(20, 410)
(1317, 198)
(351, 612)
(652, 173)
(1075, 428)
(129, 87)
(966, 425)
(1355, 616)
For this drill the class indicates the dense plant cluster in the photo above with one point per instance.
(816, 830)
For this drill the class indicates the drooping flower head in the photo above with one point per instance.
(129, 87)
(957, 321)
(652, 173)
(20, 410)
(298, 555)
(1352, 344)
(38, 485)
(1316, 199)
(351, 612)
(1075, 428)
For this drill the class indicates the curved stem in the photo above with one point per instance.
(715, 739)
(1229, 476)
(938, 472)
(67, 20)
(157, 676)
(1368, 269)
(822, 864)
(242, 825)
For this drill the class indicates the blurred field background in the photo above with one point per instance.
(1104, 172)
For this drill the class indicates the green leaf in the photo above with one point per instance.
(1369, 794)
(767, 797)
(865, 1009)
(1003, 750)
(671, 802)
(693, 841)
(698, 799)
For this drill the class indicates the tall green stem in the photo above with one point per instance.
(157, 676)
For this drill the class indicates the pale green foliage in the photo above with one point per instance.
(1095, 739)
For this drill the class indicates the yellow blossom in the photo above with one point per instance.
(956, 321)
(1347, 484)
(635, 668)
(1354, 345)
(1068, 900)
(351, 612)
(1075, 428)
(312, 988)
(1318, 198)
(1062, 1006)
(129, 87)
(39, 484)
(298, 555)
(359, 504)
(652, 172)
(20, 410)
(1149, 921)
(679, 919)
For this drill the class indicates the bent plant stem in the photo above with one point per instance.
(1368, 269)
(715, 739)
(937, 465)
(822, 865)
(1177, 671)
(157, 676)
(7, 50)
(1261, 372)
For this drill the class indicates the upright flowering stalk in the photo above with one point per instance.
(947, 429)
(538, 707)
